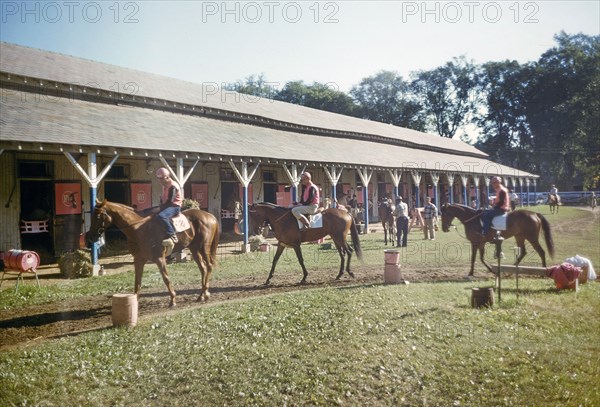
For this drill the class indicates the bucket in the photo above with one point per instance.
(22, 260)
(124, 309)
(392, 274)
(391, 256)
(482, 297)
(584, 275)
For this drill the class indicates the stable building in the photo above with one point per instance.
(73, 129)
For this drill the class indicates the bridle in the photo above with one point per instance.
(102, 215)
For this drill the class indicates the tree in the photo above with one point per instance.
(386, 97)
(563, 111)
(501, 117)
(255, 85)
(447, 94)
(322, 96)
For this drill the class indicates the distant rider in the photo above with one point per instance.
(554, 192)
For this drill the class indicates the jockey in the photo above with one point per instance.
(309, 203)
(554, 192)
(170, 202)
(500, 206)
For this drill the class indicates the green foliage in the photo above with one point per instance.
(189, 204)
(75, 264)
(448, 95)
(386, 97)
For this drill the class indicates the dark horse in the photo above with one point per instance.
(336, 223)
(387, 220)
(144, 240)
(522, 224)
(553, 202)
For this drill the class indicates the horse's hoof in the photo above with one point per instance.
(468, 277)
(172, 304)
(351, 274)
(267, 282)
(302, 282)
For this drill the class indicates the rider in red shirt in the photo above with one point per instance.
(500, 207)
(309, 202)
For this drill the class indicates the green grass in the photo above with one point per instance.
(386, 345)
(420, 344)
(573, 230)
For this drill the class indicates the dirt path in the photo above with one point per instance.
(23, 326)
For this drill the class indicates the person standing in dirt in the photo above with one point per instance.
(401, 216)
(429, 219)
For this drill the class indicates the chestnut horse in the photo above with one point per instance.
(554, 203)
(336, 223)
(387, 220)
(144, 241)
(522, 224)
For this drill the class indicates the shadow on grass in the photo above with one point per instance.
(53, 317)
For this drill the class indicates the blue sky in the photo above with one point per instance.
(338, 42)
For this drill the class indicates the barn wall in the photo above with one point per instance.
(9, 217)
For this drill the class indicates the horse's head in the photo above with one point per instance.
(447, 217)
(100, 220)
(257, 219)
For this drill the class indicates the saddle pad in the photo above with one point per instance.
(316, 221)
(181, 223)
(499, 222)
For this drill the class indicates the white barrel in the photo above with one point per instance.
(392, 274)
(124, 309)
(392, 256)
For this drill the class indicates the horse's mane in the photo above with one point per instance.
(120, 205)
(463, 207)
(272, 206)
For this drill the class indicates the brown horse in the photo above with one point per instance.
(144, 241)
(336, 223)
(387, 220)
(522, 224)
(554, 203)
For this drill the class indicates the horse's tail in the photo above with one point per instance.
(214, 245)
(356, 240)
(547, 234)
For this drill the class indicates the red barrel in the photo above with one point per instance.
(21, 260)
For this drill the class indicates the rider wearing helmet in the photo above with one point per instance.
(170, 202)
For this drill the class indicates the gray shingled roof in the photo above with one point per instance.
(79, 122)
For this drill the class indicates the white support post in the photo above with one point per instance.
(365, 176)
(334, 176)
(294, 178)
(396, 176)
(416, 177)
(179, 175)
(245, 178)
(435, 178)
(450, 188)
(93, 180)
